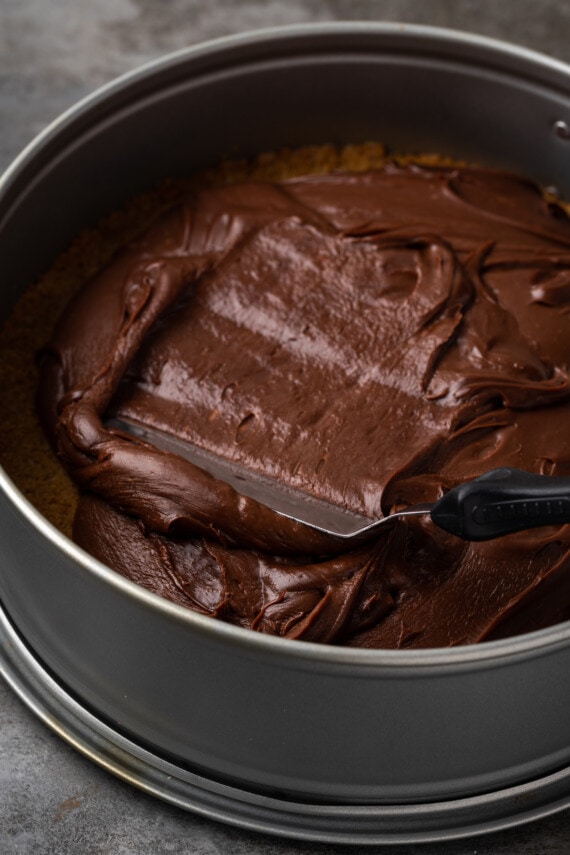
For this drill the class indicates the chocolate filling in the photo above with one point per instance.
(372, 339)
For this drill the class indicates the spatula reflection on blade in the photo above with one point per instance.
(497, 503)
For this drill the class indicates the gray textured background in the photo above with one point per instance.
(53, 800)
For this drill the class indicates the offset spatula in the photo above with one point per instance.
(499, 502)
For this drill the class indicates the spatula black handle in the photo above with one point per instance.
(503, 501)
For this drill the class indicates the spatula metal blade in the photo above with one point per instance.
(292, 503)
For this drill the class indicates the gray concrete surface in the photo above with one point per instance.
(52, 799)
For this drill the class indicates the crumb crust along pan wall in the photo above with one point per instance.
(275, 718)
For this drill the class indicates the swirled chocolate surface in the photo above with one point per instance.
(372, 339)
